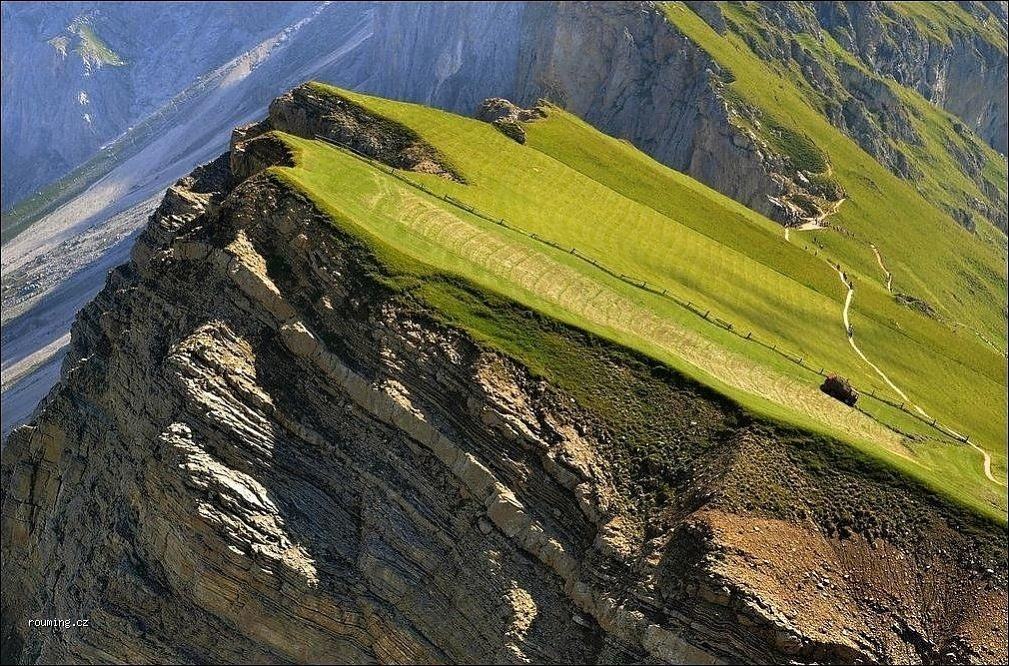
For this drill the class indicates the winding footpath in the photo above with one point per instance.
(851, 340)
(813, 225)
(987, 465)
(879, 260)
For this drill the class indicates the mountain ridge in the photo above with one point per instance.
(480, 55)
(268, 430)
(381, 381)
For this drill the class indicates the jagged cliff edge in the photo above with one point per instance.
(261, 451)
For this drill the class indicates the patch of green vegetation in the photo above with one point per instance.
(578, 189)
(925, 249)
(795, 145)
(940, 19)
(93, 48)
(806, 203)
(624, 169)
(824, 185)
(801, 151)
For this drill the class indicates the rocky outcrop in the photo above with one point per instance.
(310, 113)
(253, 150)
(957, 68)
(623, 68)
(506, 117)
(263, 451)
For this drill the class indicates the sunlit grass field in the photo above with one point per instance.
(582, 190)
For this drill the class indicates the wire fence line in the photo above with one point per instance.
(662, 292)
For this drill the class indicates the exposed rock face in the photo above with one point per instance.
(622, 67)
(966, 75)
(506, 117)
(253, 150)
(304, 112)
(261, 452)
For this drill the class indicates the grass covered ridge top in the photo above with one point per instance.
(587, 216)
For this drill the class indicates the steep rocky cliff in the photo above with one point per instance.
(265, 449)
(630, 70)
(961, 69)
(622, 66)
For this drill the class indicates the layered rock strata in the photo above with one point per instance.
(261, 451)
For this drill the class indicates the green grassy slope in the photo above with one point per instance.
(879, 320)
(941, 19)
(581, 190)
(915, 229)
(962, 275)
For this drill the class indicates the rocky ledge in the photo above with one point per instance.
(259, 451)
(506, 117)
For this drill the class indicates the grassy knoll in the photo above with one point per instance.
(585, 191)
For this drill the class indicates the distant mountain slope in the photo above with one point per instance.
(79, 74)
(871, 71)
(719, 92)
(952, 53)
